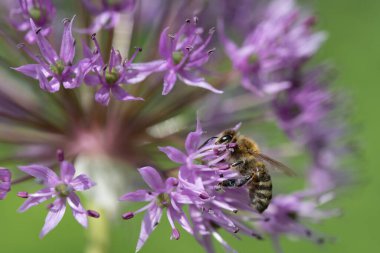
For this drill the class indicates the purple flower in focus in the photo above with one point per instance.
(107, 15)
(62, 188)
(5, 182)
(162, 195)
(184, 55)
(54, 70)
(42, 12)
(275, 49)
(112, 76)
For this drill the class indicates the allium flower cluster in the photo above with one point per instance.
(271, 79)
(275, 49)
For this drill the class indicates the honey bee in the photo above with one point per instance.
(252, 166)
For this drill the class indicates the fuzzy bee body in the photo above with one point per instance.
(252, 166)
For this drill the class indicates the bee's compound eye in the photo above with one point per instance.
(226, 138)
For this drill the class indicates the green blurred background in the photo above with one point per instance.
(353, 47)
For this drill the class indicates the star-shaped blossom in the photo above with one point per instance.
(113, 76)
(42, 12)
(5, 182)
(63, 188)
(107, 15)
(53, 70)
(161, 196)
(184, 55)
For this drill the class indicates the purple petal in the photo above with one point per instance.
(192, 141)
(52, 86)
(152, 178)
(43, 195)
(68, 43)
(122, 95)
(174, 154)
(79, 213)
(164, 46)
(57, 210)
(193, 80)
(181, 218)
(92, 80)
(67, 171)
(151, 219)
(43, 173)
(169, 81)
(46, 49)
(82, 183)
(29, 70)
(102, 96)
(137, 196)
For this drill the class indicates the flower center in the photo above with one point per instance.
(253, 59)
(163, 200)
(35, 13)
(112, 77)
(63, 190)
(177, 57)
(292, 215)
(58, 67)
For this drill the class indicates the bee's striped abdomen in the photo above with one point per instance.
(260, 191)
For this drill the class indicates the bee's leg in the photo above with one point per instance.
(233, 182)
(238, 163)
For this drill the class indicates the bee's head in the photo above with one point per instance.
(227, 136)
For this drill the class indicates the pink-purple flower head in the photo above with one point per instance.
(112, 76)
(161, 196)
(63, 188)
(286, 214)
(5, 182)
(184, 55)
(53, 70)
(42, 12)
(107, 14)
(275, 49)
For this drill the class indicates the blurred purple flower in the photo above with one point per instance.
(275, 49)
(113, 75)
(53, 70)
(162, 196)
(184, 55)
(286, 213)
(5, 182)
(42, 12)
(62, 188)
(107, 15)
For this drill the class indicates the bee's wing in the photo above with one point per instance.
(276, 164)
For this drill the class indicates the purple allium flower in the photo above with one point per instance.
(184, 55)
(54, 70)
(302, 106)
(275, 49)
(286, 214)
(42, 12)
(162, 195)
(111, 77)
(5, 182)
(107, 15)
(62, 188)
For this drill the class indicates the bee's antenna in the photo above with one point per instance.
(207, 141)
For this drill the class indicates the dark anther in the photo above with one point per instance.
(235, 211)
(236, 230)
(308, 232)
(195, 20)
(188, 21)
(65, 20)
(38, 30)
(138, 48)
(93, 36)
(211, 51)
(221, 175)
